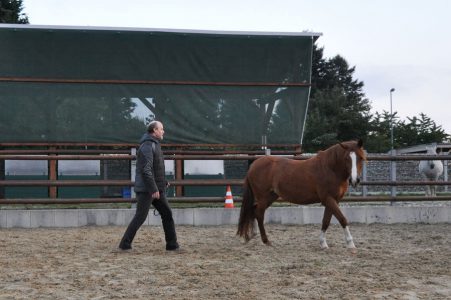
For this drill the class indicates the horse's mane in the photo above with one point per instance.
(333, 155)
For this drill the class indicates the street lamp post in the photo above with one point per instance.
(391, 118)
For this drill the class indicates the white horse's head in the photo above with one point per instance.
(431, 169)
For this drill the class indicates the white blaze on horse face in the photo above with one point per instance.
(353, 168)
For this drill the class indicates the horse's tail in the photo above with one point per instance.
(247, 213)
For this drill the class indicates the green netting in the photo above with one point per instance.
(73, 85)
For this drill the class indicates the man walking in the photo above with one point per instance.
(150, 188)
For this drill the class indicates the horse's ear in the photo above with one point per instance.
(360, 143)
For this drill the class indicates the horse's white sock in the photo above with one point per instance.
(322, 240)
(348, 238)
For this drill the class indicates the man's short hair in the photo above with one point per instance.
(151, 127)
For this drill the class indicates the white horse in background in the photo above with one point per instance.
(430, 170)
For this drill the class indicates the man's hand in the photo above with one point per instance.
(156, 195)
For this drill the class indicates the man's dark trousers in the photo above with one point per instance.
(142, 210)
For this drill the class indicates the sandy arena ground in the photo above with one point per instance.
(393, 262)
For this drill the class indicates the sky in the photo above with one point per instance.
(400, 44)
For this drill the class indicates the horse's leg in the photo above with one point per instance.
(336, 211)
(254, 228)
(260, 215)
(428, 188)
(434, 188)
(326, 222)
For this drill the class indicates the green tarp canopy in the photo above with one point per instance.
(89, 84)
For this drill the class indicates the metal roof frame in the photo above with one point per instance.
(163, 30)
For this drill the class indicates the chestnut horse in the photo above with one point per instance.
(323, 179)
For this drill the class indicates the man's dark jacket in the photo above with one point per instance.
(150, 173)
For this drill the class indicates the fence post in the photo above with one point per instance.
(2, 176)
(52, 165)
(364, 177)
(104, 164)
(133, 175)
(179, 174)
(393, 173)
(445, 171)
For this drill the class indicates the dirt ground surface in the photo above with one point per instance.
(401, 261)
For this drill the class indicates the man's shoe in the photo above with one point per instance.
(170, 247)
(177, 250)
(125, 247)
(174, 249)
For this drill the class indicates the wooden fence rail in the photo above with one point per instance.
(189, 182)
(181, 155)
(210, 157)
(193, 200)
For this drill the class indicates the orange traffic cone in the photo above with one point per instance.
(228, 198)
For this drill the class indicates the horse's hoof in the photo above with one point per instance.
(247, 238)
(267, 243)
(352, 250)
(323, 245)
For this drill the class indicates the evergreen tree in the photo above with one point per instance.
(11, 12)
(414, 131)
(422, 130)
(338, 109)
(379, 135)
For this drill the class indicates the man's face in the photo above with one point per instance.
(158, 132)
